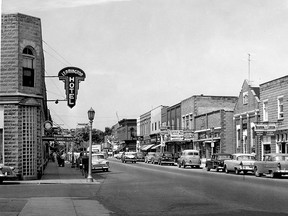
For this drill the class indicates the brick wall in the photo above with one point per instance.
(9, 55)
(270, 91)
(19, 31)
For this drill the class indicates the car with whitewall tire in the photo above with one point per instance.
(274, 164)
(240, 163)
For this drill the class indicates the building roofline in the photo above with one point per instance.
(274, 80)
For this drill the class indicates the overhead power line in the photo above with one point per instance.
(56, 52)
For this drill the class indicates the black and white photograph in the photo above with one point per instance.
(144, 108)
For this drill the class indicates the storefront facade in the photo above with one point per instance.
(193, 108)
(246, 115)
(274, 112)
(127, 134)
(214, 133)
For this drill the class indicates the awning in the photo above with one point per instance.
(156, 146)
(146, 147)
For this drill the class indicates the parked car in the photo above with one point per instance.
(7, 173)
(155, 159)
(118, 155)
(240, 163)
(275, 164)
(140, 156)
(129, 157)
(149, 157)
(164, 158)
(190, 158)
(217, 161)
(99, 162)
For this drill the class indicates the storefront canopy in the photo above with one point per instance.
(156, 146)
(146, 147)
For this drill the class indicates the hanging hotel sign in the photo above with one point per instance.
(265, 129)
(71, 76)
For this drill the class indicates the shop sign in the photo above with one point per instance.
(265, 129)
(188, 135)
(61, 138)
(71, 76)
(175, 135)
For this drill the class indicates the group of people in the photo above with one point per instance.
(58, 156)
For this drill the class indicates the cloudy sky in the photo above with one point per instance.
(139, 54)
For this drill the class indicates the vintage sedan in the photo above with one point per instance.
(240, 163)
(274, 164)
(129, 157)
(7, 173)
(149, 157)
(217, 161)
(190, 158)
(99, 162)
(140, 156)
(164, 158)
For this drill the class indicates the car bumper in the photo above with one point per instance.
(284, 172)
(246, 168)
(97, 167)
(130, 159)
(192, 164)
(168, 162)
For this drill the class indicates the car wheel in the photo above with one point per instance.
(226, 170)
(256, 173)
(207, 168)
(237, 171)
(179, 165)
(183, 164)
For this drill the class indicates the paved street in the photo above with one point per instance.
(144, 189)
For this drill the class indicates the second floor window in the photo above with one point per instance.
(28, 67)
(280, 108)
(245, 97)
(265, 110)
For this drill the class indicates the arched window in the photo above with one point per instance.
(28, 67)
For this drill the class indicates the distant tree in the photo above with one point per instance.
(108, 131)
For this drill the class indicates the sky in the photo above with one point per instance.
(140, 54)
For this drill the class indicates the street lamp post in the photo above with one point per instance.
(91, 114)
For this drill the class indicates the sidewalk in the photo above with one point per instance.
(53, 174)
(62, 206)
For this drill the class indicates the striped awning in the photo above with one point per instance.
(146, 147)
(156, 146)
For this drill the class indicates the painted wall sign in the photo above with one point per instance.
(71, 76)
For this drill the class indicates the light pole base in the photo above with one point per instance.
(89, 179)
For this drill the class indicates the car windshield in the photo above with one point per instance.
(167, 154)
(192, 153)
(246, 157)
(280, 158)
(130, 153)
(97, 157)
(223, 157)
(140, 154)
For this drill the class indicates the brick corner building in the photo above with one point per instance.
(23, 107)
